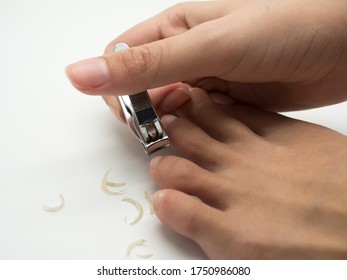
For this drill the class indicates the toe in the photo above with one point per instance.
(190, 217)
(208, 115)
(267, 124)
(183, 175)
(194, 143)
(168, 98)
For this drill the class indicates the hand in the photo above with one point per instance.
(271, 187)
(279, 55)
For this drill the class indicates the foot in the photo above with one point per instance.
(269, 187)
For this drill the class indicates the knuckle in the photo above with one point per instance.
(136, 61)
(199, 138)
(179, 8)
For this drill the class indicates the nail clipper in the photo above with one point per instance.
(141, 117)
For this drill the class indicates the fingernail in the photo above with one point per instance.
(166, 120)
(158, 198)
(88, 73)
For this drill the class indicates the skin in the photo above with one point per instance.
(270, 187)
(275, 54)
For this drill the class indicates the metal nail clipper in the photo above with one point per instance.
(141, 117)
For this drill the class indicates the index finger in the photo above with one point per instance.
(171, 22)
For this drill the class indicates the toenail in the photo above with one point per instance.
(155, 161)
(221, 99)
(167, 119)
(195, 90)
(175, 99)
(158, 198)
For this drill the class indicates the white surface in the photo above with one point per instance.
(55, 140)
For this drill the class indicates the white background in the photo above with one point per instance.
(55, 140)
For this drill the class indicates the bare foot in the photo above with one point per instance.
(270, 187)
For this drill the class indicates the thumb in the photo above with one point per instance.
(179, 58)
